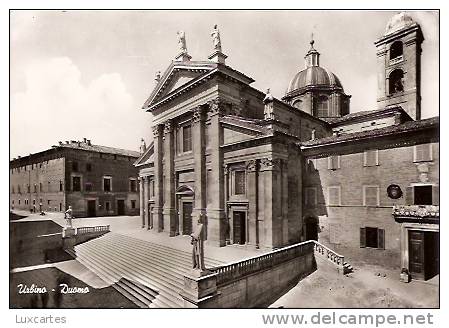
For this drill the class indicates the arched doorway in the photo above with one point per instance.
(311, 228)
(185, 198)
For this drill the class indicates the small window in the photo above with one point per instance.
(88, 186)
(48, 202)
(371, 157)
(133, 204)
(107, 184)
(107, 206)
(132, 185)
(41, 189)
(18, 189)
(60, 207)
(370, 196)
(28, 189)
(186, 138)
(60, 185)
(19, 201)
(75, 166)
(239, 183)
(422, 153)
(322, 106)
(35, 187)
(372, 237)
(76, 183)
(334, 195)
(88, 167)
(333, 162)
(310, 197)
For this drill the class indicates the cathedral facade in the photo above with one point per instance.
(267, 173)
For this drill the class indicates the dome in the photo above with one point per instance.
(314, 76)
(398, 22)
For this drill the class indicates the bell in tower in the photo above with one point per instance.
(399, 65)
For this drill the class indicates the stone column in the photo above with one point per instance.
(272, 205)
(158, 184)
(169, 213)
(142, 216)
(199, 156)
(252, 192)
(228, 229)
(145, 199)
(215, 211)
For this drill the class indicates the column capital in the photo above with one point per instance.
(156, 131)
(270, 164)
(226, 169)
(216, 107)
(168, 127)
(198, 114)
(251, 165)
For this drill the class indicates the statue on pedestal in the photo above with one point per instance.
(182, 41)
(143, 146)
(198, 248)
(216, 38)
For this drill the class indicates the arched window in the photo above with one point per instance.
(298, 104)
(396, 50)
(396, 81)
(322, 106)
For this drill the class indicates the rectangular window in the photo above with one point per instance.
(60, 185)
(371, 157)
(371, 196)
(107, 184)
(333, 162)
(421, 195)
(108, 206)
(28, 188)
(35, 187)
(239, 183)
(334, 195)
(75, 166)
(422, 153)
(186, 138)
(310, 197)
(88, 167)
(132, 185)
(18, 189)
(88, 186)
(133, 204)
(48, 202)
(372, 237)
(76, 183)
(40, 187)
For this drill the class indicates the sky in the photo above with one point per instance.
(76, 74)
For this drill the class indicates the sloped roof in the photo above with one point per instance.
(357, 116)
(145, 157)
(245, 123)
(79, 145)
(432, 122)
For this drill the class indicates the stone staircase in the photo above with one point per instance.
(149, 274)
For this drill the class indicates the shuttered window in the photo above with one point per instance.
(371, 157)
(422, 153)
(333, 162)
(239, 183)
(372, 237)
(370, 196)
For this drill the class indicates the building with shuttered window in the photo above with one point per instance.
(266, 173)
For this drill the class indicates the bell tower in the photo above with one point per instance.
(399, 65)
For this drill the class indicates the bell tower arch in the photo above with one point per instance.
(399, 65)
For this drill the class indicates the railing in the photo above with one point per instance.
(331, 256)
(85, 230)
(236, 270)
(417, 211)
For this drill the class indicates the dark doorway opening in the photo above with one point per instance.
(91, 208)
(423, 195)
(424, 254)
(239, 219)
(120, 207)
(187, 218)
(311, 229)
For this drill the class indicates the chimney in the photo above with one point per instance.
(88, 142)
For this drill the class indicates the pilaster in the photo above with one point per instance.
(158, 176)
(141, 209)
(169, 213)
(145, 202)
(252, 194)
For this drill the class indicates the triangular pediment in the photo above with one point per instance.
(177, 75)
(147, 156)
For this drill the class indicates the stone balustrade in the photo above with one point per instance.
(329, 254)
(86, 230)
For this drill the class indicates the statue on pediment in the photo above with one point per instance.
(216, 38)
(182, 41)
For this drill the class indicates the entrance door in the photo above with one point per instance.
(120, 207)
(91, 208)
(187, 218)
(311, 229)
(239, 219)
(416, 254)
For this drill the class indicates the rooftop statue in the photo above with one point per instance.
(182, 41)
(216, 38)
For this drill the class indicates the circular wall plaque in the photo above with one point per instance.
(394, 191)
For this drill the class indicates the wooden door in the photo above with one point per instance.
(120, 207)
(416, 254)
(239, 219)
(186, 218)
(91, 208)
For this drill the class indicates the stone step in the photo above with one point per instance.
(133, 260)
(166, 288)
(165, 249)
(110, 275)
(134, 293)
(118, 287)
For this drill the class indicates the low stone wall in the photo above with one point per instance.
(252, 283)
(80, 235)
